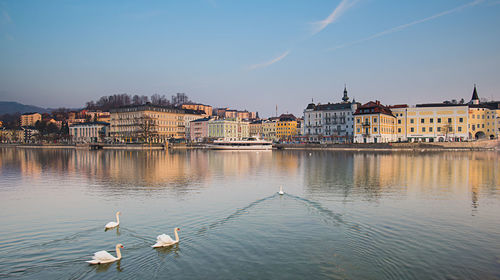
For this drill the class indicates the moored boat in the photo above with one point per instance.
(245, 144)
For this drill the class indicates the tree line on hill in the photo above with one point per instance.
(106, 103)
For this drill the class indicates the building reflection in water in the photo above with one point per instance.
(351, 175)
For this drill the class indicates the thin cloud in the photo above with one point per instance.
(6, 16)
(404, 26)
(341, 8)
(265, 64)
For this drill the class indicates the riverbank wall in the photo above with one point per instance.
(444, 146)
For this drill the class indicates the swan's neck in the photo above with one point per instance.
(117, 218)
(118, 253)
(176, 236)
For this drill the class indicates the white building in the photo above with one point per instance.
(89, 132)
(331, 122)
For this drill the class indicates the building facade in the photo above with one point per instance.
(150, 123)
(90, 132)
(287, 127)
(228, 130)
(199, 130)
(199, 107)
(269, 128)
(483, 118)
(255, 129)
(30, 119)
(374, 123)
(331, 122)
(433, 122)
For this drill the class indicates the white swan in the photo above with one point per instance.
(105, 257)
(281, 192)
(165, 240)
(114, 224)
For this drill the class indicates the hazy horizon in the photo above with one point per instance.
(249, 55)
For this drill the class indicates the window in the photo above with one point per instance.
(422, 120)
(449, 120)
(412, 129)
(411, 120)
(374, 129)
(374, 120)
(399, 121)
(399, 130)
(423, 129)
(439, 120)
(432, 120)
(439, 129)
(357, 120)
(430, 129)
(459, 128)
(461, 120)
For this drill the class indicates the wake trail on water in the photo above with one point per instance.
(239, 212)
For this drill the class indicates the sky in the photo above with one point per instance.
(252, 55)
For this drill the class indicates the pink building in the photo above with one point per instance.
(199, 130)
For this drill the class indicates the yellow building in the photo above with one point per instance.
(11, 135)
(199, 107)
(29, 119)
(483, 118)
(150, 123)
(431, 122)
(286, 127)
(255, 129)
(269, 129)
(374, 123)
(228, 129)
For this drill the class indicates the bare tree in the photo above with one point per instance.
(147, 128)
(179, 99)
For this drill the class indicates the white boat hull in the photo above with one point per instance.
(241, 148)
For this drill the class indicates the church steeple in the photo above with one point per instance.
(475, 97)
(345, 98)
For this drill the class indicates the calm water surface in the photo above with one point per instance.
(346, 215)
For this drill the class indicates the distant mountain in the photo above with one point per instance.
(7, 107)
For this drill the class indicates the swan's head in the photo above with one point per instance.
(177, 229)
(119, 245)
(118, 213)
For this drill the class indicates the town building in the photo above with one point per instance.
(151, 123)
(11, 135)
(228, 129)
(198, 107)
(256, 128)
(89, 132)
(483, 118)
(29, 133)
(286, 127)
(199, 130)
(431, 122)
(97, 116)
(331, 122)
(226, 113)
(269, 129)
(374, 123)
(30, 119)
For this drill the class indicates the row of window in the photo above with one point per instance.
(431, 120)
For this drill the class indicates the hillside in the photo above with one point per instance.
(8, 107)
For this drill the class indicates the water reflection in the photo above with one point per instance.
(368, 175)
(100, 268)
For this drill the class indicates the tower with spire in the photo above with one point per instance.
(475, 97)
(345, 99)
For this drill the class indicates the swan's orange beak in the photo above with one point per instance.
(122, 246)
(178, 229)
